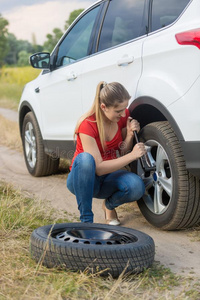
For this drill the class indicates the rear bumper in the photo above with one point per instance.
(191, 151)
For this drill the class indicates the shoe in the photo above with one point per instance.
(114, 221)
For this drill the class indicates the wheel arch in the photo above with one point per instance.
(147, 110)
(24, 109)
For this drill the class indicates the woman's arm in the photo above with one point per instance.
(128, 135)
(104, 167)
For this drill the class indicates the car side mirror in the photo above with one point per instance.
(40, 60)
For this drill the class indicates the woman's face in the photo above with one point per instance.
(114, 113)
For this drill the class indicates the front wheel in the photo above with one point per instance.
(37, 161)
(171, 199)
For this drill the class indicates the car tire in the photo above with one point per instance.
(105, 249)
(37, 161)
(171, 200)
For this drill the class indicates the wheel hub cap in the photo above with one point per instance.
(155, 177)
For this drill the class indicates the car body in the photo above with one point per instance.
(152, 47)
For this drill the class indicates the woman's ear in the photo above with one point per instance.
(103, 106)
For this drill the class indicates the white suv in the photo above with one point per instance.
(152, 47)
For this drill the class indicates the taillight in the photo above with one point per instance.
(191, 37)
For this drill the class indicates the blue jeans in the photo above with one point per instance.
(117, 188)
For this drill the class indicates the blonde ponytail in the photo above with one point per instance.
(99, 114)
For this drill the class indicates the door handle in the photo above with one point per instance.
(72, 76)
(125, 61)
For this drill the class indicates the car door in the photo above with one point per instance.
(60, 90)
(118, 53)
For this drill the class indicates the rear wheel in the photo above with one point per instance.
(37, 161)
(171, 200)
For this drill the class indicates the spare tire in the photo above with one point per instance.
(92, 247)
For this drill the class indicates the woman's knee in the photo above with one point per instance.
(85, 161)
(83, 168)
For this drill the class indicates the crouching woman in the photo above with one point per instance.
(105, 137)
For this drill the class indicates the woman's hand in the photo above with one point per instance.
(131, 126)
(138, 150)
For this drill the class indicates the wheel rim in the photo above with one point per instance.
(30, 145)
(158, 184)
(93, 236)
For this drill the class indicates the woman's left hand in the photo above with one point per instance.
(131, 126)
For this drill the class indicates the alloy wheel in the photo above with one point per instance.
(30, 145)
(159, 183)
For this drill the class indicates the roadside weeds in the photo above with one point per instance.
(9, 134)
(21, 278)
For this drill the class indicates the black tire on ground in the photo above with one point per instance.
(172, 197)
(37, 161)
(92, 247)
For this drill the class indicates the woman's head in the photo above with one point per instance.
(113, 101)
(110, 101)
(111, 94)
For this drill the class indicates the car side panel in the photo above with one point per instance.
(171, 74)
(104, 66)
(30, 99)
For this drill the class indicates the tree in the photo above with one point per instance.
(34, 40)
(35, 46)
(52, 39)
(3, 38)
(17, 46)
(24, 45)
(73, 15)
(23, 58)
(11, 57)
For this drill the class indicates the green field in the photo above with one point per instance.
(12, 81)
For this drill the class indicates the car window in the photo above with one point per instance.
(124, 21)
(166, 12)
(75, 44)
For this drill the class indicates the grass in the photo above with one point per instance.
(21, 278)
(12, 81)
(10, 95)
(9, 134)
(194, 234)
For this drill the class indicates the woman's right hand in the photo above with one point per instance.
(138, 150)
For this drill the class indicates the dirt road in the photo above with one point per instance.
(175, 250)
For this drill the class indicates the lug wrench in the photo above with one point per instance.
(145, 162)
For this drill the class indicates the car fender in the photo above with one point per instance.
(29, 102)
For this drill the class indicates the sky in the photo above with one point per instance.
(38, 17)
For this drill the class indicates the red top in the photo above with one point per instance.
(89, 127)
